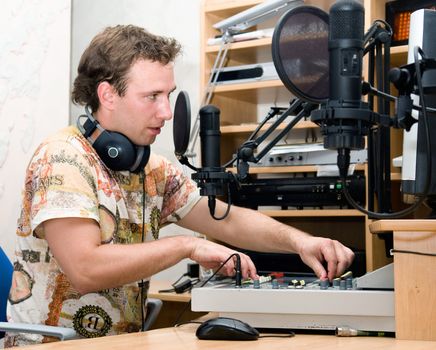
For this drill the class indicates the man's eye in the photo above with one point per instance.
(152, 97)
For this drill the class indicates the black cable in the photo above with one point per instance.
(290, 334)
(185, 286)
(187, 322)
(203, 284)
(372, 165)
(385, 129)
(422, 197)
(369, 89)
(368, 37)
(272, 113)
(383, 137)
(142, 239)
(428, 109)
(238, 273)
(178, 280)
(230, 162)
(229, 204)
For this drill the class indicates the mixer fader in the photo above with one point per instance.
(346, 281)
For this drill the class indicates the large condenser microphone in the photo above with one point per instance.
(345, 45)
(212, 178)
(210, 138)
(345, 119)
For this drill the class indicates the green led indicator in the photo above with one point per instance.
(339, 186)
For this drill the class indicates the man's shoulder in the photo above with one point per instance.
(66, 145)
(65, 134)
(65, 139)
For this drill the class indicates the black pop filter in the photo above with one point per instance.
(300, 53)
(181, 124)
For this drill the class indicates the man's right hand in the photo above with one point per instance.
(211, 255)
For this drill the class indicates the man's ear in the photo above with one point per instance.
(106, 95)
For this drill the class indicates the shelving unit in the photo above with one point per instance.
(239, 117)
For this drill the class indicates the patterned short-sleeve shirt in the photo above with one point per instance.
(66, 178)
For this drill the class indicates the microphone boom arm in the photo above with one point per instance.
(246, 151)
(307, 107)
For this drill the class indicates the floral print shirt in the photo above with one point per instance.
(66, 178)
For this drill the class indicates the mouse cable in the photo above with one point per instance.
(288, 334)
(187, 322)
(176, 323)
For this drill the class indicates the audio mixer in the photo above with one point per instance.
(364, 303)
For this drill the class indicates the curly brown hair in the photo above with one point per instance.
(110, 55)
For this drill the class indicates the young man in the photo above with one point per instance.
(88, 233)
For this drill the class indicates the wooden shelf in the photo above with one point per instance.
(396, 176)
(261, 84)
(246, 128)
(241, 45)
(289, 169)
(399, 55)
(399, 50)
(302, 169)
(255, 43)
(313, 213)
(242, 103)
(220, 5)
(248, 86)
(402, 225)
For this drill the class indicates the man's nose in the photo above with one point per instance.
(165, 111)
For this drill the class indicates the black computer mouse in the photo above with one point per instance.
(225, 328)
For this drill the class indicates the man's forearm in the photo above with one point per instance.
(118, 264)
(245, 228)
(249, 229)
(92, 266)
(259, 232)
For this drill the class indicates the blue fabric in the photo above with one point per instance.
(6, 269)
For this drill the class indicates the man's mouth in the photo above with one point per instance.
(155, 131)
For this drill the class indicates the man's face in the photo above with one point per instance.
(145, 107)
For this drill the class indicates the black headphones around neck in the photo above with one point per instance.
(115, 150)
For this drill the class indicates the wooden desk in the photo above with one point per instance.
(184, 338)
(414, 275)
(173, 306)
(157, 285)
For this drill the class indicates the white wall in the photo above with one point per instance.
(34, 92)
(174, 18)
(40, 45)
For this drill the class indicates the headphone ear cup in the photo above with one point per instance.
(115, 150)
(142, 157)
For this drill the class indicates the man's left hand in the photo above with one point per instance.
(315, 250)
